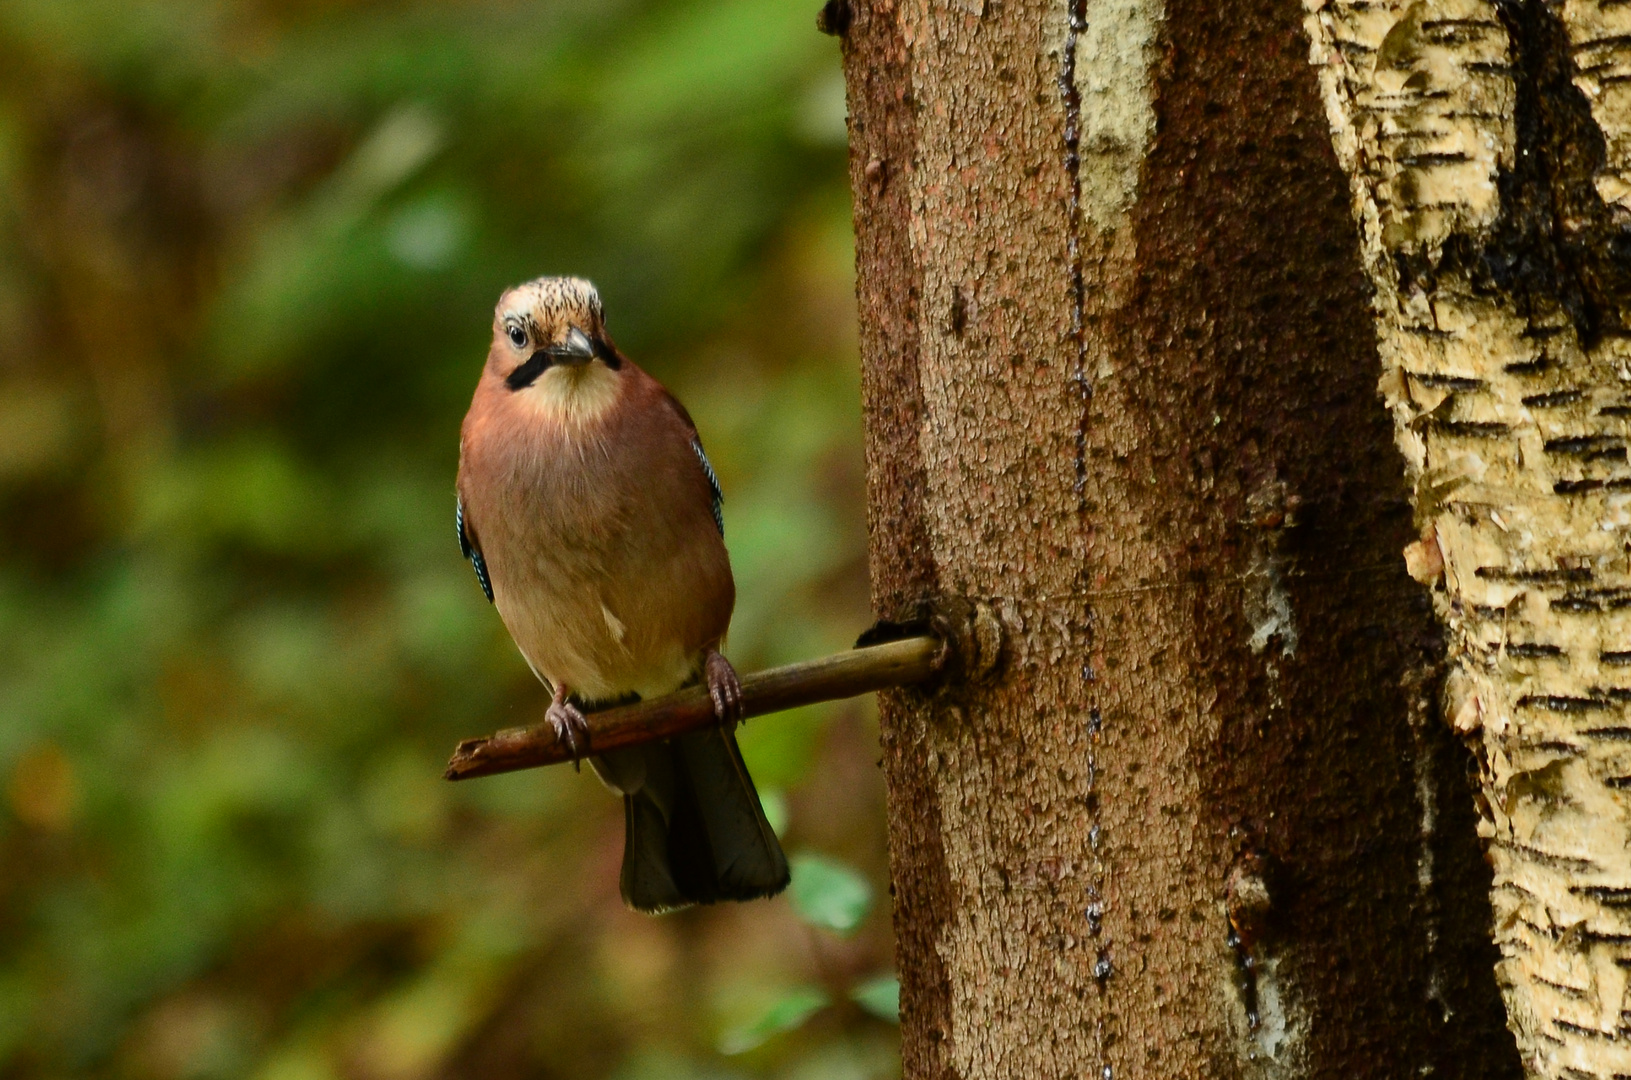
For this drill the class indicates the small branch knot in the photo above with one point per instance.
(970, 633)
(980, 643)
(834, 18)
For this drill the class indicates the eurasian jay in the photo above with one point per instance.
(592, 518)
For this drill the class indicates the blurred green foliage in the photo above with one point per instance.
(248, 255)
(828, 894)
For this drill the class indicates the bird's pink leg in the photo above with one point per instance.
(569, 724)
(723, 687)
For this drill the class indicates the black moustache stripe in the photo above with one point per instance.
(527, 373)
(607, 355)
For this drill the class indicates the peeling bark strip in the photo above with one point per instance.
(1489, 149)
(1118, 381)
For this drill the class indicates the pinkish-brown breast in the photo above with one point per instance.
(599, 539)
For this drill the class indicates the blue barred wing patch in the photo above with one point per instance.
(713, 485)
(470, 551)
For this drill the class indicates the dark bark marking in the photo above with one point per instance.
(1073, 171)
(1555, 241)
(1530, 651)
(1242, 153)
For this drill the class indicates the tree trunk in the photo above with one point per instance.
(1119, 385)
(1489, 145)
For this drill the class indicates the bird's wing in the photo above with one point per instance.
(716, 493)
(714, 490)
(467, 546)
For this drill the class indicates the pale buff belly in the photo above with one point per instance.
(573, 637)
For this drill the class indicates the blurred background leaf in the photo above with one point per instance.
(828, 894)
(783, 1012)
(248, 256)
(879, 996)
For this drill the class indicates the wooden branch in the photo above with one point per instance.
(848, 674)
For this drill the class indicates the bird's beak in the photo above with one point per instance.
(576, 349)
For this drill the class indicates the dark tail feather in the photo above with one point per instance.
(694, 830)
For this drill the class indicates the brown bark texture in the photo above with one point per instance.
(1488, 145)
(1120, 386)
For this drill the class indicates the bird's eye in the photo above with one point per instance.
(518, 337)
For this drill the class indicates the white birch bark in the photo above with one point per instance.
(1488, 146)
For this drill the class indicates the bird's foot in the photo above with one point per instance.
(723, 687)
(570, 726)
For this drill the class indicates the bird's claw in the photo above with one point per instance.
(570, 728)
(724, 688)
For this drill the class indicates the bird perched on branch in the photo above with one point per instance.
(592, 518)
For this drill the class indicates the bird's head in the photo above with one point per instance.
(550, 346)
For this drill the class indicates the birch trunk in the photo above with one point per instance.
(1119, 385)
(1488, 146)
